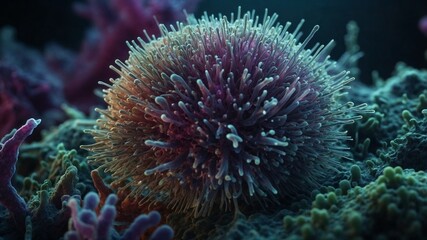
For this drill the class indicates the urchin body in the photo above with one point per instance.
(221, 112)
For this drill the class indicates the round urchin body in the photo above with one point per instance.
(218, 112)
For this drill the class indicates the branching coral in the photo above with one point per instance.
(46, 192)
(223, 112)
(43, 203)
(9, 197)
(87, 225)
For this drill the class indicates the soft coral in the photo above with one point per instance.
(9, 146)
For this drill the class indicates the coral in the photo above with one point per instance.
(46, 198)
(52, 168)
(48, 209)
(59, 176)
(124, 202)
(50, 174)
(87, 225)
(27, 87)
(404, 91)
(8, 156)
(350, 58)
(42, 185)
(364, 132)
(396, 133)
(57, 151)
(223, 112)
(422, 25)
(409, 149)
(405, 80)
(392, 207)
(115, 21)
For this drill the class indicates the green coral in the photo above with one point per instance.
(404, 91)
(45, 183)
(46, 161)
(392, 207)
(409, 148)
(53, 168)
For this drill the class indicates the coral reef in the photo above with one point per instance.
(54, 167)
(41, 203)
(219, 127)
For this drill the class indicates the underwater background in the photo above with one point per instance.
(312, 181)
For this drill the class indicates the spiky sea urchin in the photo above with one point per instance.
(219, 112)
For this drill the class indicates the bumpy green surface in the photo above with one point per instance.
(396, 101)
(392, 207)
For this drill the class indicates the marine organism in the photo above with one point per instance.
(9, 146)
(392, 206)
(87, 225)
(223, 111)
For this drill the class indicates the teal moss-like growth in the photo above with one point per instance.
(393, 206)
(396, 134)
(409, 148)
(42, 209)
(44, 195)
(403, 91)
(45, 162)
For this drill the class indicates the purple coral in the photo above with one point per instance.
(86, 225)
(218, 112)
(9, 146)
(116, 21)
(422, 25)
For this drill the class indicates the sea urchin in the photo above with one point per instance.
(219, 112)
